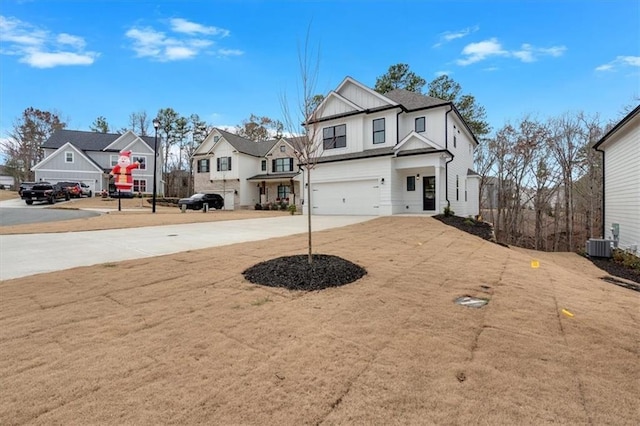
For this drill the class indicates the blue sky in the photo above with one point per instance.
(225, 60)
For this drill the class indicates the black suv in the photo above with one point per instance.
(44, 191)
(197, 201)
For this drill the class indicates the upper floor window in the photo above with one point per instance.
(223, 164)
(203, 165)
(378, 130)
(420, 125)
(216, 139)
(113, 160)
(282, 148)
(68, 157)
(334, 137)
(142, 161)
(263, 165)
(282, 164)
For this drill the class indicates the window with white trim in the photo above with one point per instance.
(142, 161)
(420, 125)
(282, 165)
(203, 165)
(68, 156)
(113, 160)
(334, 137)
(378, 130)
(283, 191)
(139, 185)
(263, 165)
(224, 164)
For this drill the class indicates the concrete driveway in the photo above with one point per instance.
(23, 255)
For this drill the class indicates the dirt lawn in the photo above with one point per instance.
(185, 339)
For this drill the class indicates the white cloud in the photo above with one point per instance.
(529, 53)
(620, 62)
(185, 40)
(476, 52)
(180, 25)
(448, 36)
(230, 52)
(40, 48)
(441, 73)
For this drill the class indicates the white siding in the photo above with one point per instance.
(434, 124)
(622, 183)
(249, 193)
(363, 98)
(225, 149)
(335, 106)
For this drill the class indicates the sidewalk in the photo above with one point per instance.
(22, 255)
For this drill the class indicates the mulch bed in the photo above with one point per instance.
(295, 272)
(483, 230)
(616, 269)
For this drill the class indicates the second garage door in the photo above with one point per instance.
(347, 198)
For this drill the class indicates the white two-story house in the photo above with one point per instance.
(89, 157)
(620, 149)
(246, 172)
(401, 152)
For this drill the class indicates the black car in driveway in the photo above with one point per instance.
(197, 201)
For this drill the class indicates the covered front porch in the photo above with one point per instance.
(277, 189)
(419, 183)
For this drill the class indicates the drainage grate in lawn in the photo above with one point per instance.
(471, 302)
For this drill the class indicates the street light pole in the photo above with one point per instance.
(156, 124)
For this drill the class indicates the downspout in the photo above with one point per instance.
(446, 147)
(398, 126)
(603, 193)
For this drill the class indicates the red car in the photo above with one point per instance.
(73, 188)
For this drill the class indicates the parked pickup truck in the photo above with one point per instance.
(45, 192)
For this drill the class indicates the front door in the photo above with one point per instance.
(429, 196)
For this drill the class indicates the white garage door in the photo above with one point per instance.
(346, 198)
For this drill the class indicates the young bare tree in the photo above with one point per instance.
(304, 121)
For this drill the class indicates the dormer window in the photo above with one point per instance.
(68, 157)
(420, 125)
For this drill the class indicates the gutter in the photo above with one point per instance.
(446, 165)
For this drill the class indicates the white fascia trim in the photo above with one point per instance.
(60, 151)
(367, 89)
(278, 142)
(136, 140)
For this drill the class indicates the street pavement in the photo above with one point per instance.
(29, 254)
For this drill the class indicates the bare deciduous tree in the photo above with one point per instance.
(304, 121)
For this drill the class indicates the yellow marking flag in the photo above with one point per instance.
(535, 264)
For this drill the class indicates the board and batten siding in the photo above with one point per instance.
(622, 184)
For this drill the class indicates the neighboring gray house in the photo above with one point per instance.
(73, 155)
(620, 148)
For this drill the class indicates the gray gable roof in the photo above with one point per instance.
(246, 146)
(412, 100)
(86, 141)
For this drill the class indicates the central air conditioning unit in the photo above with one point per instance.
(599, 248)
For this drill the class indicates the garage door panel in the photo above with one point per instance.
(346, 198)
